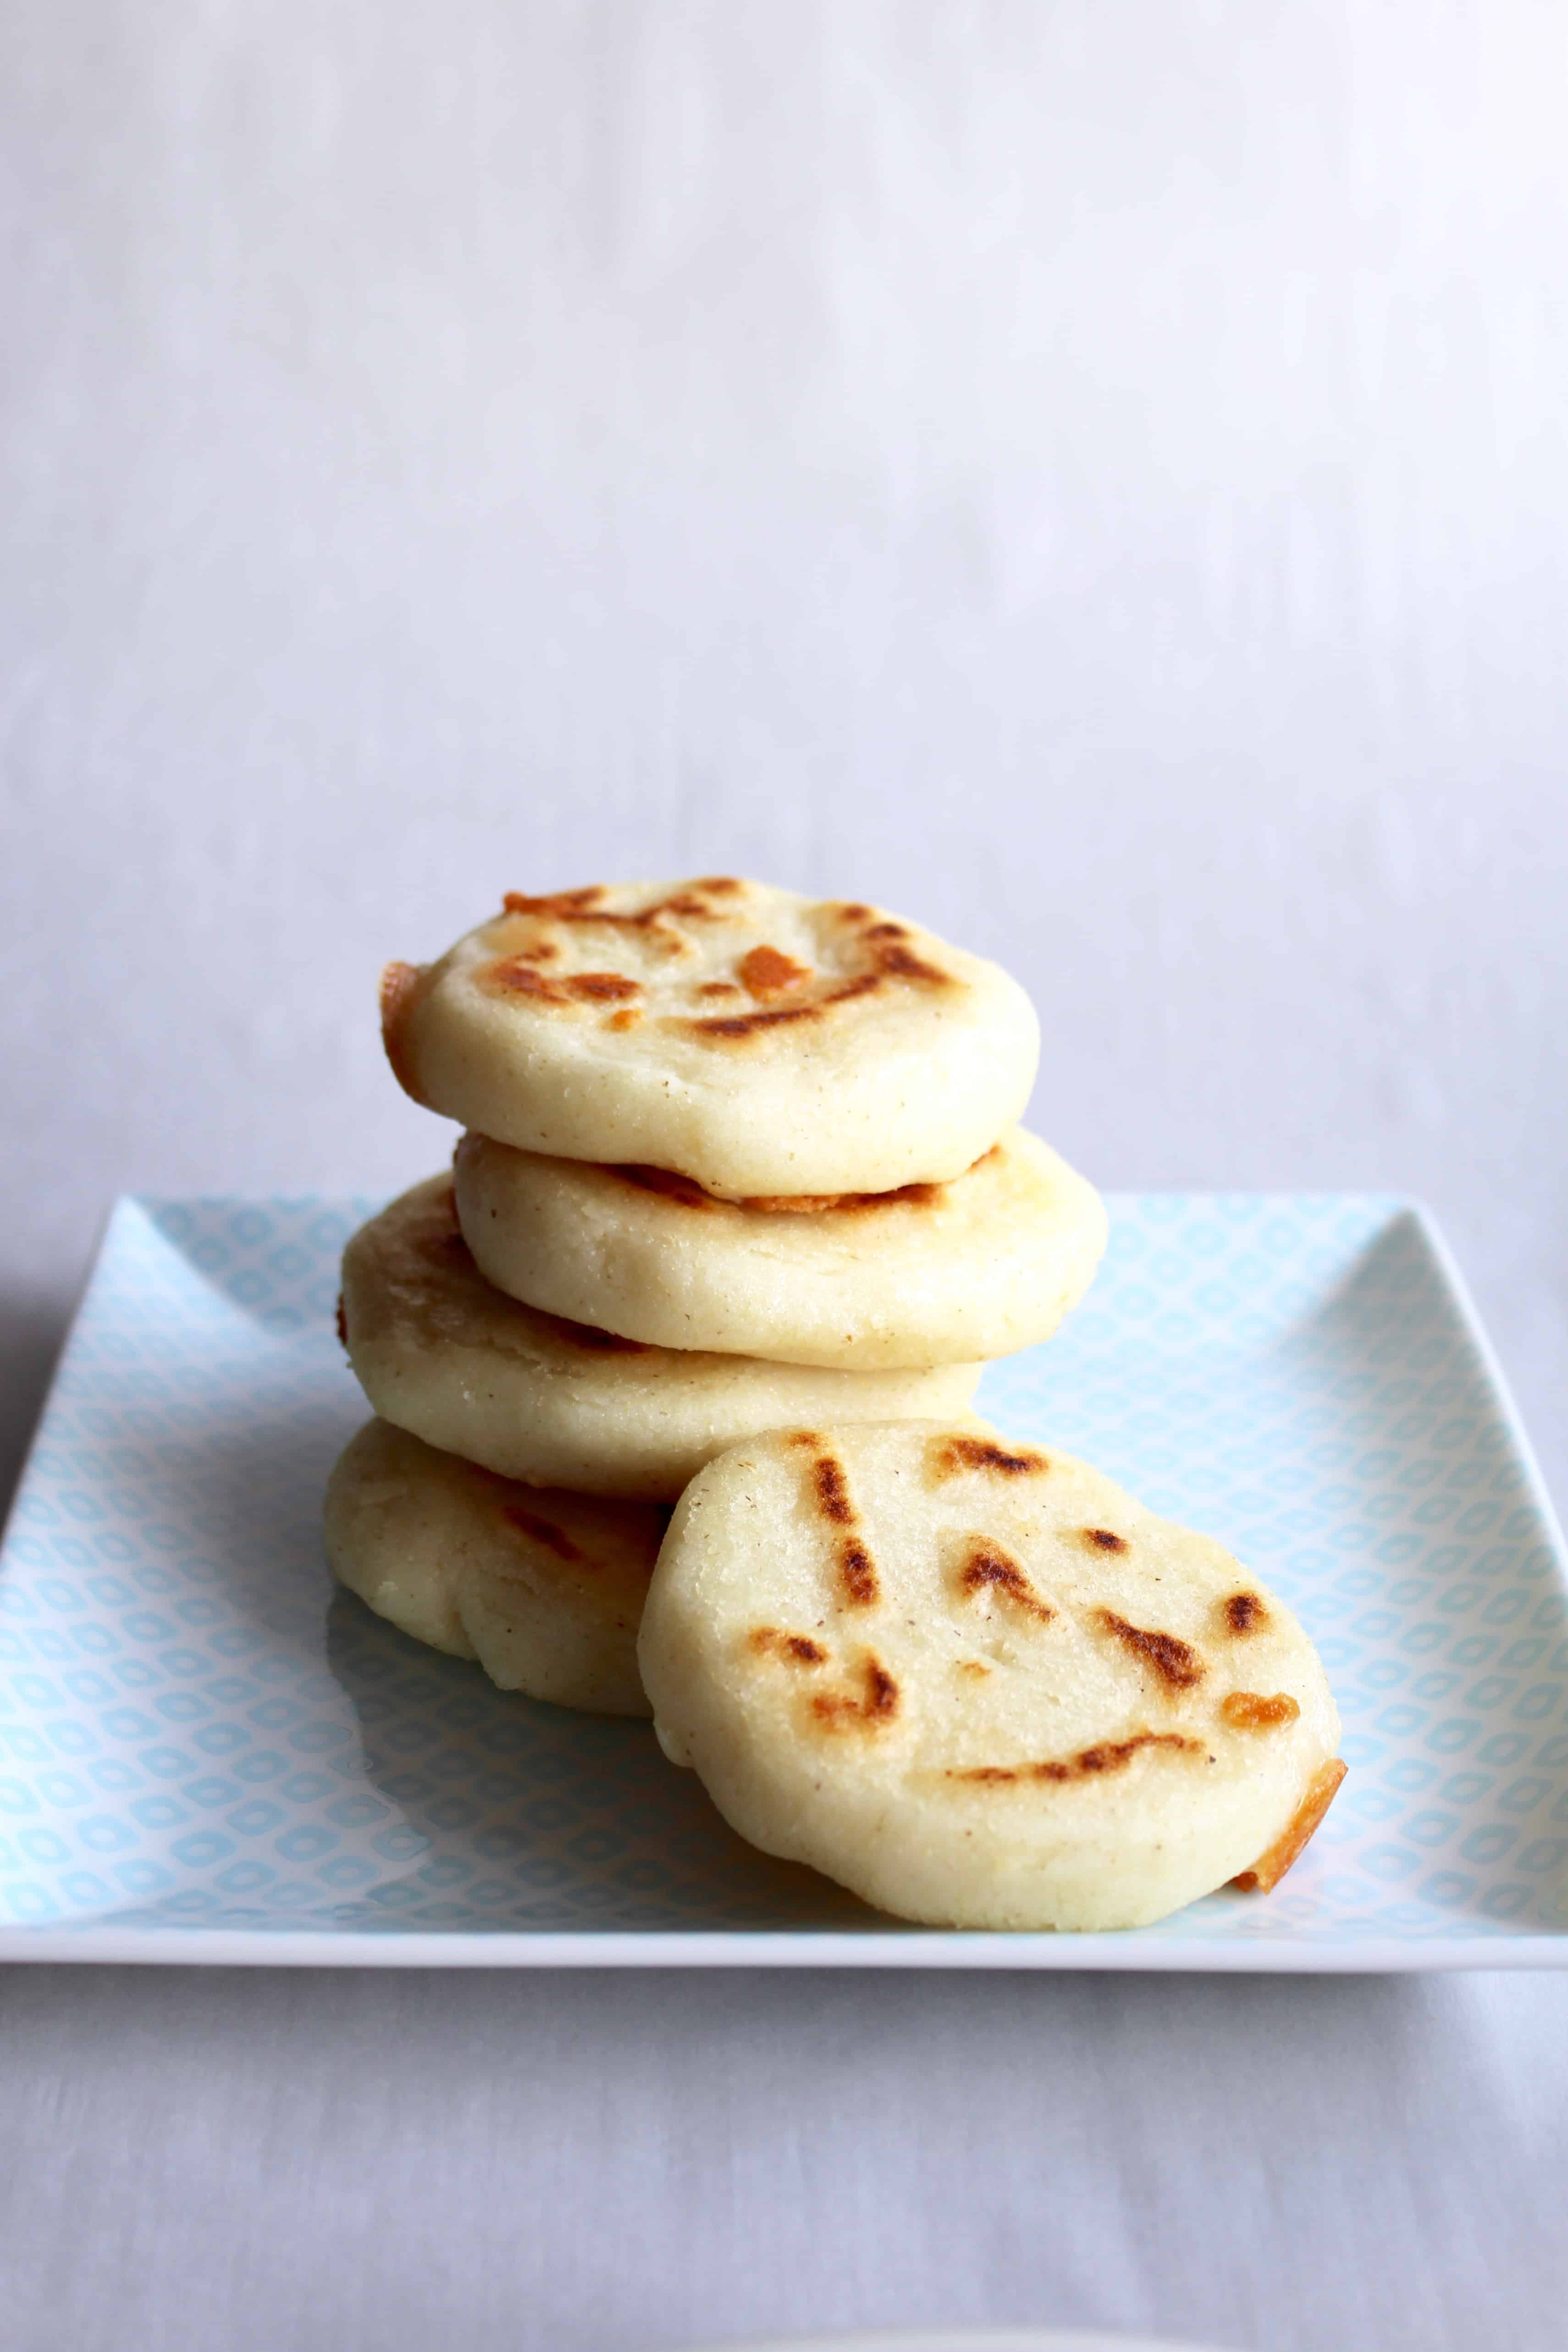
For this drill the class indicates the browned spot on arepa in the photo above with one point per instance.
(1293, 1841)
(1244, 1614)
(902, 964)
(858, 1571)
(860, 1585)
(750, 1024)
(398, 993)
(950, 1457)
(797, 1649)
(602, 987)
(832, 1490)
(875, 1703)
(1250, 1711)
(1175, 1662)
(767, 972)
(1089, 1763)
(988, 1569)
(890, 963)
(516, 975)
(586, 905)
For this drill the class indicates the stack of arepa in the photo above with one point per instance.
(742, 1186)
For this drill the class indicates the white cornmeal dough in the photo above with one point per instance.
(978, 1684)
(754, 1040)
(545, 1588)
(930, 1273)
(439, 1351)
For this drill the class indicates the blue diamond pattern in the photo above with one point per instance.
(198, 1733)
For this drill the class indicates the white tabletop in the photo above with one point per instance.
(1094, 481)
(619, 2161)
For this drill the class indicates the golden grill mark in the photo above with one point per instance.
(875, 1704)
(858, 1571)
(858, 1577)
(627, 1020)
(899, 963)
(514, 975)
(566, 904)
(1089, 1763)
(832, 1491)
(1244, 1614)
(720, 987)
(545, 1532)
(1248, 1711)
(585, 907)
(398, 993)
(892, 963)
(1103, 1540)
(796, 1649)
(988, 1569)
(766, 973)
(747, 1025)
(602, 987)
(948, 1457)
(1176, 1663)
(1270, 1866)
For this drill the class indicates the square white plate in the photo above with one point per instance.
(206, 1754)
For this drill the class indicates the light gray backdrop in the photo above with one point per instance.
(1091, 477)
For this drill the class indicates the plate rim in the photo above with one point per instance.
(894, 1947)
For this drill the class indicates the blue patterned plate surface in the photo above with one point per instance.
(207, 1754)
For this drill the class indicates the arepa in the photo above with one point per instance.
(557, 1403)
(930, 1273)
(978, 1684)
(544, 1589)
(758, 1042)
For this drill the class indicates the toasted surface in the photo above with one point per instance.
(752, 1039)
(930, 1274)
(976, 1682)
(545, 1588)
(440, 1351)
